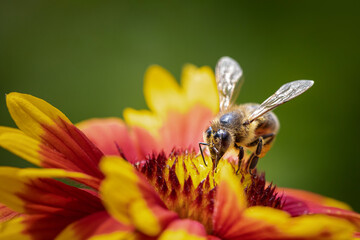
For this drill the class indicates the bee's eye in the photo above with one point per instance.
(208, 132)
(225, 138)
(224, 135)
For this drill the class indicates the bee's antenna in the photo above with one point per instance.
(202, 154)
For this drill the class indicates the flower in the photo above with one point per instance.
(142, 178)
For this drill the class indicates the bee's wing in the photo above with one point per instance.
(285, 93)
(228, 79)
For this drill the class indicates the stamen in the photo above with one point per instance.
(188, 187)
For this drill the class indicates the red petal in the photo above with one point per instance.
(314, 198)
(111, 135)
(99, 223)
(197, 120)
(185, 130)
(210, 237)
(146, 143)
(74, 147)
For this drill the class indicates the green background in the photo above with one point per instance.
(88, 59)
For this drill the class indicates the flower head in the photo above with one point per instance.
(143, 178)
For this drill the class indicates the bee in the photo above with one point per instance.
(252, 127)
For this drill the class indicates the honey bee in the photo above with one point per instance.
(252, 127)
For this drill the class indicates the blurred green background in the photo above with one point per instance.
(88, 59)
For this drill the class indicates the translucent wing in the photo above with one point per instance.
(228, 74)
(285, 93)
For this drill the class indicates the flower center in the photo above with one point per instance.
(187, 186)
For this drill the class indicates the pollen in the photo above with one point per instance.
(188, 186)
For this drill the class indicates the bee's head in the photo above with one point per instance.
(219, 141)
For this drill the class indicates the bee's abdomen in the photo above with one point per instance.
(267, 124)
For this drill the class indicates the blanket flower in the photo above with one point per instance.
(142, 177)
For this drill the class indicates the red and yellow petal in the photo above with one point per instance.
(47, 205)
(130, 199)
(179, 114)
(229, 205)
(145, 127)
(184, 229)
(57, 142)
(14, 229)
(38, 153)
(232, 218)
(144, 119)
(313, 198)
(298, 202)
(30, 113)
(265, 221)
(181, 130)
(96, 226)
(269, 223)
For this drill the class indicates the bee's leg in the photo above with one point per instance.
(262, 144)
(240, 158)
(254, 158)
(252, 163)
(202, 154)
(268, 138)
(259, 146)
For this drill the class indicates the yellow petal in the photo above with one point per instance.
(269, 215)
(317, 225)
(184, 229)
(179, 235)
(20, 144)
(331, 202)
(30, 113)
(13, 230)
(130, 199)
(50, 173)
(200, 86)
(162, 92)
(228, 178)
(114, 236)
(144, 119)
(305, 226)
